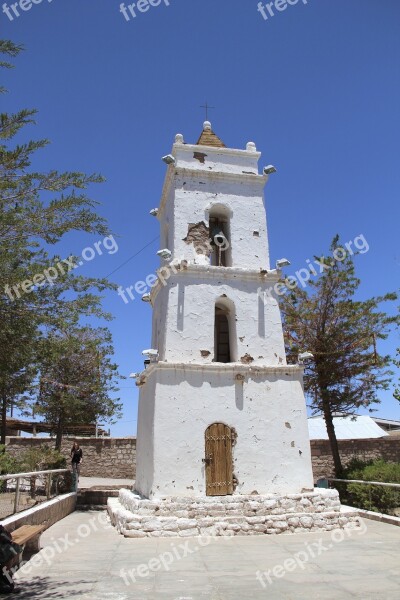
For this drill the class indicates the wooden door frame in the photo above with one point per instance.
(218, 459)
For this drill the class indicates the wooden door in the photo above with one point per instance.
(218, 460)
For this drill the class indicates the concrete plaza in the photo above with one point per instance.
(83, 557)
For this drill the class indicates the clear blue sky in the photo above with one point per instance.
(315, 86)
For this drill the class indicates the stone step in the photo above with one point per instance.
(249, 506)
(95, 498)
(320, 510)
(141, 526)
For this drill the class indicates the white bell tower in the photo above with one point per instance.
(220, 412)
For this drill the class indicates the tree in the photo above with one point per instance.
(346, 371)
(8, 464)
(41, 458)
(397, 389)
(25, 217)
(77, 378)
(37, 209)
(18, 339)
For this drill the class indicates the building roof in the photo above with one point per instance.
(40, 427)
(346, 428)
(388, 422)
(209, 138)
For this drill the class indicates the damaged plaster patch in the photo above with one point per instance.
(246, 359)
(200, 156)
(234, 436)
(199, 236)
(205, 353)
(288, 425)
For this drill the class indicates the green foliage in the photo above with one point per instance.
(372, 497)
(341, 333)
(8, 48)
(8, 464)
(347, 371)
(77, 378)
(36, 211)
(396, 393)
(41, 459)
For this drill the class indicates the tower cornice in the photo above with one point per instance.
(213, 150)
(228, 274)
(235, 369)
(173, 171)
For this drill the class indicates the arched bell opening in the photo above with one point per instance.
(225, 344)
(219, 223)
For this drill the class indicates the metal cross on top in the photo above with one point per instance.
(207, 107)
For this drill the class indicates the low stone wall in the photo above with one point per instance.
(116, 457)
(102, 457)
(46, 513)
(387, 448)
(136, 517)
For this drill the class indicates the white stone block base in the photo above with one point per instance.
(137, 517)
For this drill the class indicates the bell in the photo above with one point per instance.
(218, 237)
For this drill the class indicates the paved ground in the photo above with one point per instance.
(363, 565)
(89, 482)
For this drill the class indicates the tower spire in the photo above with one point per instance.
(209, 138)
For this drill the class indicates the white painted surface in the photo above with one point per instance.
(187, 391)
(272, 453)
(228, 179)
(183, 321)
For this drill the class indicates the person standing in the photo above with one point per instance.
(76, 460)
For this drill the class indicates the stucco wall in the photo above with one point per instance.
(189, 299)
(272, 452)
(227, 178)
(102, 457)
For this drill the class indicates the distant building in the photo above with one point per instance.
(392, 427)
(14, 427)
(348, 427)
